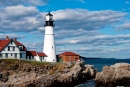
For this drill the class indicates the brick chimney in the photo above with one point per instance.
(7, 37)
(15, 39)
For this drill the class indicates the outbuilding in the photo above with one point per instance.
(68, 57)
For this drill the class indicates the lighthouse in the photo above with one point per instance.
(49, 42)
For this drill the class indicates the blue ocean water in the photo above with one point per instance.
(98, 64)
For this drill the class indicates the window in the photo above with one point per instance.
(41, 59)
(0, 55)
(15, 55)
(13, 48)
(76, 58)
(11, 42)
(6, 55)
(20, 47)
(29, 57)
(69, 57)
(8, 48)
(20, 55)
(11, 54)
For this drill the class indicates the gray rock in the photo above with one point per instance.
(114, 75)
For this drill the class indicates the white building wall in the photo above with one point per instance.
(37, 58)
(15, 54)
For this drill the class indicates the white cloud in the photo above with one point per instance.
(82, 1)
(127, 2)
(20, 18)
(60, 34)
(19, 10)
(97, 40)
(34, 46)
(124, 26)
(89, 20)
(11, 36)
(30, 19)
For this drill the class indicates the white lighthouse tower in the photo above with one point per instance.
(49, 42)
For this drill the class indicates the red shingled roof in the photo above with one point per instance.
(41, 54)
(20, 44)
(69, 54)
(4, 43)
(31, 53)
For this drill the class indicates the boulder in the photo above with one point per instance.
(114, 75)
(68, 76)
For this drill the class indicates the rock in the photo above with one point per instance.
(67, 77)
(24, 74)
(114, 75)
(14, 73)
(4, 76)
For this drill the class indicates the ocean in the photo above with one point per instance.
(98, 64)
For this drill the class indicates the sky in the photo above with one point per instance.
(91, 28)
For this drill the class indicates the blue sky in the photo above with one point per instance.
(91, 28)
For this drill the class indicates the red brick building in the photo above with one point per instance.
(68, 57)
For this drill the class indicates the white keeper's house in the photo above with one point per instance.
(13, 49)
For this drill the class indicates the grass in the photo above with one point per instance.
(57, 67)
(35, 62)
(12, 61)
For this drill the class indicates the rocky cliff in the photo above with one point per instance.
(15, 73)
(114, 75)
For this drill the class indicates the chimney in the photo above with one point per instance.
(15, 39)
(7, 37)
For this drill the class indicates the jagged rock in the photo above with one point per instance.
(23, 74)
(65, 77)
(114, 75)
(15, 73)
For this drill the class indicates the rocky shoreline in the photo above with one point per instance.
(114, 75)
(16, 73)
(24, 74)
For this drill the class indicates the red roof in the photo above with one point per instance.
(41, 54)
(4, 43)
(31, 53)
(20, 44)
(69, 54)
